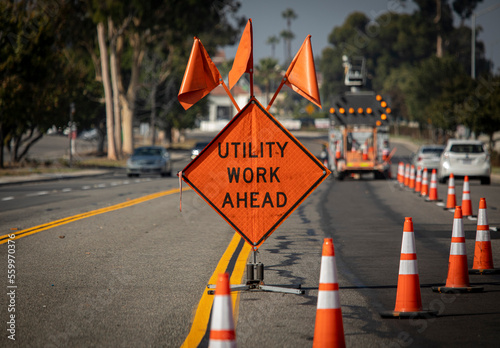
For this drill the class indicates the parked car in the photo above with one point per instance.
(428, 156)
(149, 159)
(465, 157)
(195, 151)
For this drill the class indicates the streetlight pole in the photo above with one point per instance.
(473, 38)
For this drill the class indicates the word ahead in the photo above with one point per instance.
(254, 173)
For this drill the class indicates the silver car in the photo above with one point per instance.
(428, 156)
(465, 158)
(149, 160)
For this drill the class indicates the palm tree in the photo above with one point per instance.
(287, 37)
(273, 41)
(289, 14)
(267, 71)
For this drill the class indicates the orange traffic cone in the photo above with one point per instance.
(222, 332)
(458, 275)
(466, 202)
(329, 328)
(483, 258)
(401, 172)
(365, 153)
(407, 175)
(425, 184)
(418, 181)
(433, 192)
(411, 184)
(338, 154)
(451, 201)
(408, 299)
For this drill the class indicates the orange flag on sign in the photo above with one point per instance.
(301, 74)
(200, 77)
(243, 61)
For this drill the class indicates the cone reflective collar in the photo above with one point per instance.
(458, 275)
(222, 334)
(483, 257)
(329, 328)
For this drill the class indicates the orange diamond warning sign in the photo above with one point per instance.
(254, 173)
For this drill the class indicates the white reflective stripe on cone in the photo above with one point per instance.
(328, 267)
(328, 299)
(457, 249)
(481, 218)
(458, 228)
(221, 311)
(408, 244)
(408, 267)
(483, 236)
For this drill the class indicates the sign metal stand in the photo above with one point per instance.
(255, 281)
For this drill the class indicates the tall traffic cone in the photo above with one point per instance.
(411, 184)
(451, 200)
(407, 175)
(408, 299)
(483, 258)
(458, 275)
(466, 202)
(401, 172)
(222, 332)
(329, 328)
(433, 192)
(365, 153)
(418, 180)
(424, 191)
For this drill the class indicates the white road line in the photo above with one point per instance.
(100, 185)
(86, 187)
(39, 193)
(66, 189)
(8, 198)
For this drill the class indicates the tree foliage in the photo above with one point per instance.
(419, 60)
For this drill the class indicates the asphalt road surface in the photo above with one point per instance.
(118, 265)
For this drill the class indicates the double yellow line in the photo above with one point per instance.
(46, 226)
(232, 261)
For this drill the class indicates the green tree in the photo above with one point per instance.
(37, 83)
(267, 75)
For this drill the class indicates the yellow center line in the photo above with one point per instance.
(202, 314)
(46, 226)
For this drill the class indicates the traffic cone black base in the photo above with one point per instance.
(447, 290)
(484, 271)
(423, 314)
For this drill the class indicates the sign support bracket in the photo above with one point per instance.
(255, 281)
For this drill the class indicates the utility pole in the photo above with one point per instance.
(72, 131)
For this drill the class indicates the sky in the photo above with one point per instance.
(318, 17)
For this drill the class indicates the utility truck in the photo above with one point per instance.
(358, 139)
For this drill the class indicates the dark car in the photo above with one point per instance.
(198, 147)
(149, 160)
